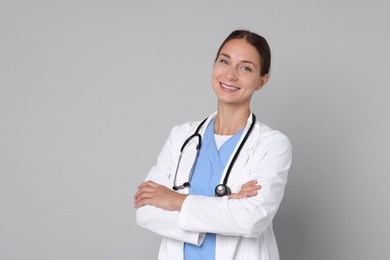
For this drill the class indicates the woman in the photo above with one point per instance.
(193, 222)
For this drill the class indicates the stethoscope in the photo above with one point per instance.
(221, 189)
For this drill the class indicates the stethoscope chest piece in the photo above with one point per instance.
(222, 190)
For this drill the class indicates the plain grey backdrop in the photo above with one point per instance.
(89, 91)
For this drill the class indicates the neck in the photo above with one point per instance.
(230, 120)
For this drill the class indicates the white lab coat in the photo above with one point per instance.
(243, 226)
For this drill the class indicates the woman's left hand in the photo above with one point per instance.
(154, 194)
(248, 189)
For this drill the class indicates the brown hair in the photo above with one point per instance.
(256, 41)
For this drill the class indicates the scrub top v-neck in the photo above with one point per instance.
(207, 175)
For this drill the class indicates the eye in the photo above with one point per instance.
(223, 61)
(246, 69)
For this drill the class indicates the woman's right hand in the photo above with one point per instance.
(248, 189)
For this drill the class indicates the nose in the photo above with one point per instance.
(231, 73)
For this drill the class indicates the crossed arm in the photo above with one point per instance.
(181, 217)
(154, 194)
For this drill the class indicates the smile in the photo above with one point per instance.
(229, 88)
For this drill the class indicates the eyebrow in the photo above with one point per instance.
(243, 61)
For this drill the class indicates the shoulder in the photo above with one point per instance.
(181, 132)
(272, 148)
(268, 136)
(185, 128)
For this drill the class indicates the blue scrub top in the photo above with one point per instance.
(207, 174)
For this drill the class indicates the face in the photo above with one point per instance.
(236, 74)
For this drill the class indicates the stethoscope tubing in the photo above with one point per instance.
(198, 146)
(221, 189)
(239, 150)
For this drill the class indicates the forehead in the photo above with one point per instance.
(240, 49)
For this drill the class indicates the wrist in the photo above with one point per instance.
(179, 201)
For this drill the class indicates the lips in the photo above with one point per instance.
(228, 87)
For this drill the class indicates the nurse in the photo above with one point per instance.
(195, 224)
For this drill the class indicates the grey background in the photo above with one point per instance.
(90, 89)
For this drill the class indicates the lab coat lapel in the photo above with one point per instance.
(243, 158)
(240, 165)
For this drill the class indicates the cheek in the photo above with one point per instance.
(218, 70)
(213, 79)
(250, 84)
(215, 76)
(215, 73)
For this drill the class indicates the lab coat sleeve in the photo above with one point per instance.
(248, 217)
(162, 222)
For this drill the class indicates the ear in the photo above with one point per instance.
(262, 81)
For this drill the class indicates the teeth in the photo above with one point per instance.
(229, 87)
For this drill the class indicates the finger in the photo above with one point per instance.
(250, 190)
(251, 193)
(144, 187)
(144, 198)
(255, 187)
(249, 184)
(136, 195)
(251, 187)
(147, 183)
(139, 203)
(237, 196)
(145, 190)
